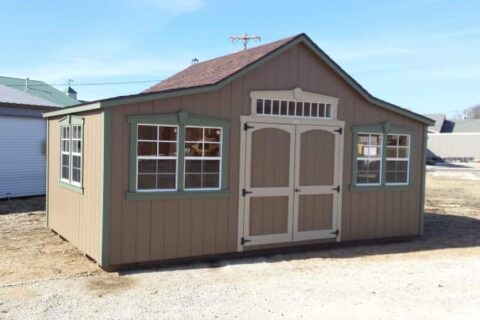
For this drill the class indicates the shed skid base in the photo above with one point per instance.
(182, 262)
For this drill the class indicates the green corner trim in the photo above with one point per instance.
(181, 119)
(177, 194)
(105, 198)
(423, 180)
(71, 187)
(384, 128)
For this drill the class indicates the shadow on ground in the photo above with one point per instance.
(21, 205)
(441, 232)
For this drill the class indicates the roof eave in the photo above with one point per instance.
(144, 97)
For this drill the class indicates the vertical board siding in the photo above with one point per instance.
(73, 215)
(172, 228)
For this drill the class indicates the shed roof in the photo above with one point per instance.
(39, 89)
(17, 97)
(439, 120)
(217, 69)
(466, 125)
(214, 74)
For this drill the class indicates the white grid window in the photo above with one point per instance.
(76, 145)
(157, 158)
(203, 158)
(284, 108)
(369, 159)
(398, 159)
(65, 153)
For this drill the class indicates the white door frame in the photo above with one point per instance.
(244, 201)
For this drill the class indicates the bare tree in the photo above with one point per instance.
(473, 112)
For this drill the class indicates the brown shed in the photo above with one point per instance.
(272, 147)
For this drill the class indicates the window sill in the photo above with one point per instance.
(71, 187)
(354, 188)
(176, 194)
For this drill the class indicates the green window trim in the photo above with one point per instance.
(69, 121)
(181, 119)
(384, 129)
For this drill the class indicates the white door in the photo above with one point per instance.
(317, 184)
(291, 183)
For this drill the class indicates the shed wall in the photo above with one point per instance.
(73, 215)
(167, 229)
(454, 146)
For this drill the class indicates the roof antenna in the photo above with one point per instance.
(245, 39)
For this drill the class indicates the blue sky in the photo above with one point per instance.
(420, 54)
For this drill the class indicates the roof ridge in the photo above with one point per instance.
(16, 78)
(247, 50)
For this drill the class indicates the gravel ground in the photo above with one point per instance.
(436, 277)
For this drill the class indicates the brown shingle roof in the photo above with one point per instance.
(214, 70)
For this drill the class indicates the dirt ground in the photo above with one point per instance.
(435, 277)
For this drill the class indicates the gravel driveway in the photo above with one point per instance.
(436, 277)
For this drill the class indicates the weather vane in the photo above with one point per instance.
(245, 39)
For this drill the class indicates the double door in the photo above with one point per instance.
(291, 184)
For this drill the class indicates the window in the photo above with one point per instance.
(398, 155)
(65, 153)
(157, 157)
(369, 159)
(71, 151)
(178, 155)
(381, 157)
(202, 157)
(77, 154)
(286, 108)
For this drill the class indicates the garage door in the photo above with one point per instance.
(22, 156)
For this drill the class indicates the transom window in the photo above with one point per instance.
(202, 157)
(157, 157)
(287, 108)
(71, 154)
(369, 158)
(397, 165)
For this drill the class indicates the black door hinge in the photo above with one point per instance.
(335, 232)
(339, 130)
(246, 126)
(337, 188)
(243, 241)
(245, 192)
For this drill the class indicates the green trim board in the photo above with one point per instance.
(385, 129)
(106, 188)
(70, 187)
(180, 119)
(423, 179)
(301, 38)
(176, 194)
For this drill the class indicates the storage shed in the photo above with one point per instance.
(22, 143)
(268, 148)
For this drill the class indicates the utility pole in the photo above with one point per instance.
(245, 39)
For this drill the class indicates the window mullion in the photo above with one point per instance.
(181, 157)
